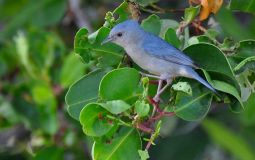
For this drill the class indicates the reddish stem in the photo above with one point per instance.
(198, 26)
(143, 128)
(155, 81)
(148, 146)
(152, 101)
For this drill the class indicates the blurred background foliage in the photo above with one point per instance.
(37, 65)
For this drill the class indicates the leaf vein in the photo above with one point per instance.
(124, 138)
(83, 101)
(192, 101)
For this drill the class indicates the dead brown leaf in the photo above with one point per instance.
(209, 6)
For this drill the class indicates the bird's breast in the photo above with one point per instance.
(150, 63)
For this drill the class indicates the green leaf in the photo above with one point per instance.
(199, 39)
(51, 153)
(226, 87)
(247, 115)
(46, 15)
(228, 140)
(146, 83)
(107, 136)
(245, 50)
(124, 146)
(167, 23)
(229, 45)
(22, 47)
(211, 59)
(245, 6)
(71, 70)
(143, 154)
(127, 11)
(47, 106)
(152, 24)
(245, 85)
(86, 47)
(232, 28)
(183, 87)
(141, 108)
(121, 84)
(191, 13)
(212, 33)
(171, 37)
(115, 107)
(144, 2)
(84, 91)
(93, 119)
(28, 112)
(109, 20)
(195, 107)
(40, 13)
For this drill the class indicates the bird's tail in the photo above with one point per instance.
(201, 80)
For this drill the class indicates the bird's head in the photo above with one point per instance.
(123, 32)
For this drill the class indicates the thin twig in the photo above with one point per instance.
(149, 144)
(166, 10)
(198, 26)
(196, 1)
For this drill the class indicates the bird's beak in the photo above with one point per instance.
(109, 39)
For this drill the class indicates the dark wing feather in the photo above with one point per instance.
(159, 48)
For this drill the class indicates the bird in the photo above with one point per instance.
(155, 55)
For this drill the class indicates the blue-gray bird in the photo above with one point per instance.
(154, 54)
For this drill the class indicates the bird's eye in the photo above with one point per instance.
(119, 34)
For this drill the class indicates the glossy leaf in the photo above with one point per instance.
(121, 84)
(171, 37)
(190, 13)
(115, 107)
(245, 6)
(195, 107)
(225, 87)
(68, 75)
(199, 39)
(245, 50)
(124, 146)
(141, 108)
(107, 136)
(235, 105)
(144, 154)
(85, 47)
(212, 33)
(152, 24)
(245, 85)
(84, 91)
(211, 59)
(167, 23)
(93, 119)
(229, 45)
(183, 87)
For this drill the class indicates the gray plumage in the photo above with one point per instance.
(154, 54)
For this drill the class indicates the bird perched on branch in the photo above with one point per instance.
(154, 54)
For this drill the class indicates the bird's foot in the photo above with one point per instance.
(158, 100)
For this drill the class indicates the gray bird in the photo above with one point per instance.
(154, 54)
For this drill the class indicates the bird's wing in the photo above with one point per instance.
(159, 48)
